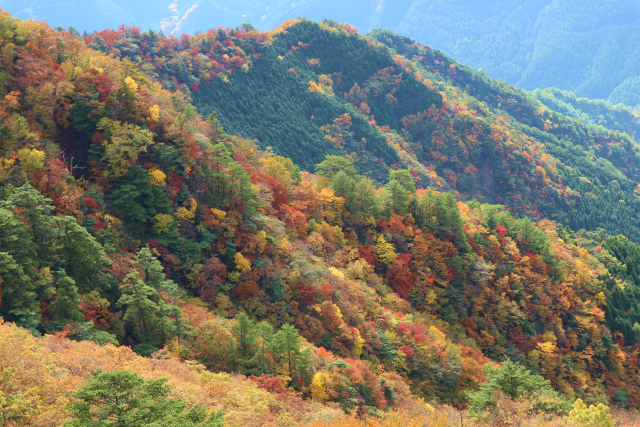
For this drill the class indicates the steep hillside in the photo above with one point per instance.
(288, 99)
(128, 219)
(576, 46)
(51, 368)
(595, 168)
(308, 90)
(582, 47)
(592, 112)
(495, 36)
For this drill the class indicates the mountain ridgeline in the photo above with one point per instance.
(272, 101)
(587, 46)
(365, 243)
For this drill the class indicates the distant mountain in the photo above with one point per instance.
(593, 112)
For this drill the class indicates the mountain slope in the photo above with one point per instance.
(592, 112)
(495, 36)
(127, 218)
(607, 159)
(273, 103)
(488, 141)
(584, 47)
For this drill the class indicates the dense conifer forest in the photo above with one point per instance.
(307, 227)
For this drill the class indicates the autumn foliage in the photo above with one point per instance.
(136, 234)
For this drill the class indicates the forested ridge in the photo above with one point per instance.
(588, 47)
(213, 281)
(385, 101)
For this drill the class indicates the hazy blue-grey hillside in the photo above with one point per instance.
(589, 47)
(496, 36)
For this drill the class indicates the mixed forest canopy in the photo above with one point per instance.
(384, 101)
(391, 227)
(586, 47)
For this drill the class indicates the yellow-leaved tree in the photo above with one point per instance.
(157, 177)
(591, 416)
(188, 211)
(242, 264)
(154, 113)
(163, 223)
(319, 386)
(386, 251)
(31, 160)
(123, 143)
